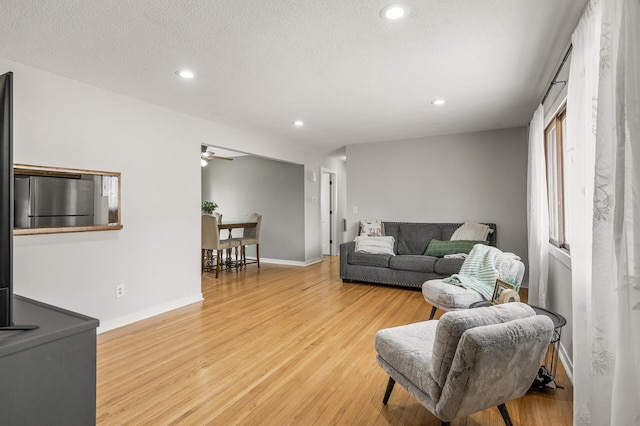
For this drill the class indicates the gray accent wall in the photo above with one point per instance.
(272, 188)
(480, 177)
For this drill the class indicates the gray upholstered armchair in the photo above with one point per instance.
(450, 297)
(468, 360)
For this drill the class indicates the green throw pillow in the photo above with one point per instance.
(440, 248)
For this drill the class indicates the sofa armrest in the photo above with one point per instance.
(345, 249)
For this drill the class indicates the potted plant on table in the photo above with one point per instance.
(208, 207)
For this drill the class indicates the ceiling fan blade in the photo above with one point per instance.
(210, 155)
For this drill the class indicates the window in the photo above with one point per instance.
(559, 207)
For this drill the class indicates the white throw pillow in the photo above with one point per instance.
(375, 245)
(472, 231)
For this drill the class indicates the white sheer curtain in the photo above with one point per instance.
(580, 146)
(606, 273)
(537, 212)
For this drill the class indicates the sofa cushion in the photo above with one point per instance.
(408, 348)
(368, 259)
(448, 229)
(441, 248)
(415, 263)
(413, 238)
(392, 229)
(449, 297)
(448, 266)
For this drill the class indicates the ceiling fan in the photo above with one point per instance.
(205, 156)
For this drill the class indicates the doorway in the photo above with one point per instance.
(328, 202)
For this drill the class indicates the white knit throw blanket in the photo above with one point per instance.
(479, 271)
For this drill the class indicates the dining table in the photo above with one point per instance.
(236, 225)
(231, 225)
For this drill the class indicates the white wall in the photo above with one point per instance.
(477, 177)
(559, 299)
(60, 122)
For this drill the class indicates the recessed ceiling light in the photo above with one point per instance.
(185, 74)
(394, 11)
(298, 123)
(438, 102)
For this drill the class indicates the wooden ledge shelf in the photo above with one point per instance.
(66, 229)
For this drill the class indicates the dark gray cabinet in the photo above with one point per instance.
(48, 375)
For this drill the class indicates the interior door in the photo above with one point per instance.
(325, 214)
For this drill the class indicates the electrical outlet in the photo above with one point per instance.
(120, 290)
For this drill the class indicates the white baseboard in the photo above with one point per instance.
(175, 304)
(148, 313)
(566, 362)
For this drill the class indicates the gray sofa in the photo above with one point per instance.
(409, 267)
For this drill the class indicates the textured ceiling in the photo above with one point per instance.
(351, 76)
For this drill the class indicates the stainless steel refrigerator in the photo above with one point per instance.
(43, 201)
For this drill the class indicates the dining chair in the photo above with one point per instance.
(211, 241)
(251, 236)
(217, 216)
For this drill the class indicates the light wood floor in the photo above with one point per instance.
(281, 345)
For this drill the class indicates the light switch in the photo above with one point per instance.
(355, 209)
